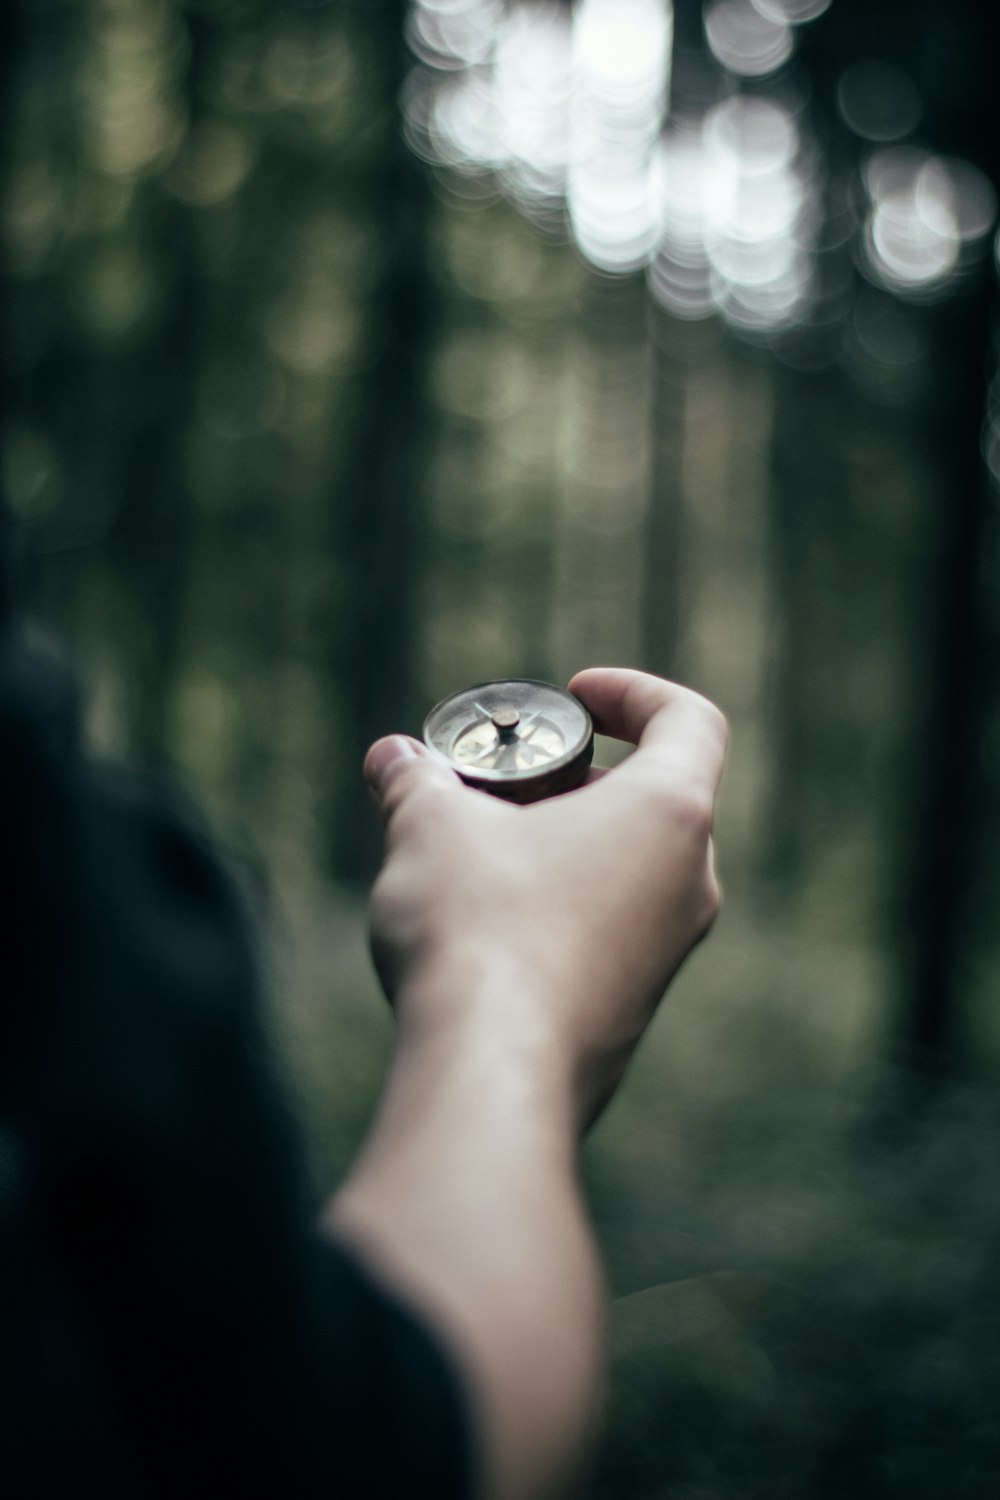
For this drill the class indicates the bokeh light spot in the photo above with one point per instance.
(28, 473)
(924, 208)
(738, 217)
(792, 12)
(533, 82)
(885, 348)
(118, 291)
(878, 101)
(453, 34)
(753, 136)
(745, 41)
(313, 328)
(972, 194)
(210, 166)
(619, 49)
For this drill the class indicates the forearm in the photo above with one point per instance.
(466, 1197)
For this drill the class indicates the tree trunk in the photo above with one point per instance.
(380, 499)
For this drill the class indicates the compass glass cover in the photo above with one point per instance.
(514, 728)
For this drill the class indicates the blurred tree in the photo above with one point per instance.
(12, 27)
(959, 648)
(153, 531)
(662, 592)
(945, 779)
(379, 494)
(238, 522)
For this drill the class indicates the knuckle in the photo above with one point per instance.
(717, 721)
(712, 716)
(713, 900)
(679, 804)
(388, 898)
(706, 908)
(693, 811)
(636, 696)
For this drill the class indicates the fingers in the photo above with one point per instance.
(399, 768)
(680, 739)
(677, 732)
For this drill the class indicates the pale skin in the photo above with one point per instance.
(525, 951)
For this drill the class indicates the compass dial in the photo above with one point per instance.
(519, 739)
(525, 748)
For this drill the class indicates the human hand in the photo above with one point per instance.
(555, 926)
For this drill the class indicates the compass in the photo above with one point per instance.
(518, 739)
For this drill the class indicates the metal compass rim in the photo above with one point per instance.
(485, 776)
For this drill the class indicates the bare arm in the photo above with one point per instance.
(525, 951)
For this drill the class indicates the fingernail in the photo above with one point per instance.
(385, 754)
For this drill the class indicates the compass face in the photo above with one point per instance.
(533, 744)
(518, 739)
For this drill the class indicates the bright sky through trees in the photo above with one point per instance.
(723, 204)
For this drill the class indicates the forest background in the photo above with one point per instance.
(355, 352)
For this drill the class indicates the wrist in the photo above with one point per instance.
(491, 1022)
(514, 1023)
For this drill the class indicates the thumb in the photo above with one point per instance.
(397, 766)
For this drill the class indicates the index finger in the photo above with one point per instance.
(674, 729)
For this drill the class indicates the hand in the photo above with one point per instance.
(560, 924)
(525, 950)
